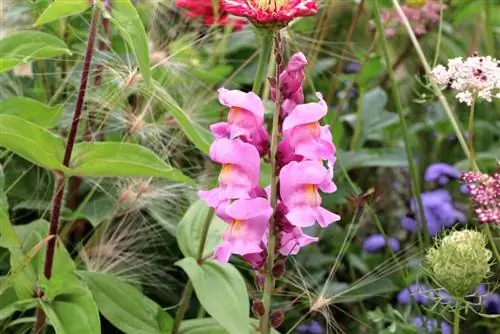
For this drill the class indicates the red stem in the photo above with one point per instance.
(57, 201)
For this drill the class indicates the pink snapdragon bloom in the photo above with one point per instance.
(270, 11)
(291, 81)
(304, 134)
(292, 242)
(422, 15)
(299, 184)
(245, 119)
(247, 226)
(240, 171)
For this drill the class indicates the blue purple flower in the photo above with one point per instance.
(430, 325)
(441, 173)
(314, 327)
(490, 301)
(376, 243)
(420, 292)
(439, 210)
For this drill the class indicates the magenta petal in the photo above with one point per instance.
(301, 216)
(223, 253)
(292, 242)
(326, 217)
(220, 130)
(248, 101)
(305, 113)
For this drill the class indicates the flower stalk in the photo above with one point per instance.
(57, 201)
(271, 242)
(470, 134)
(266, 45)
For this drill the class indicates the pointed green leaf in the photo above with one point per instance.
(31, 142)
(127, 20)
(26, 46)
(62, 8)
(127, 308)
(74, 313)
(199, 136)
(210, 326)
(121, 159)
(32, 111)
(221, 291)
(190, 229)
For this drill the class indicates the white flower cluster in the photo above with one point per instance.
(473, 77)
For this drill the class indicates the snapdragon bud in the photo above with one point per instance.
(460, 261)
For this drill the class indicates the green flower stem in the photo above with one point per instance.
(470, 134)
(492, 242)
(271, 241)
(188, 289)
(456, 319)
(437, 90)
(440, 34)
(415, 184)
(266, 45)
(488, 27)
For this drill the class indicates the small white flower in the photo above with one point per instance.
(473, 77)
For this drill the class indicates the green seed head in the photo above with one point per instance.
(460, 261)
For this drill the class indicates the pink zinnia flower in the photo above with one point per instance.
(247, 227)
(270, 11)
(245, 119)
(205, 10)
(299, 184)
(305, 136)
(292, 242)
(240, 171)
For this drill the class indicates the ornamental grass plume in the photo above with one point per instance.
(473, 77)
(460, 261)
(306, 156)
(484, 191)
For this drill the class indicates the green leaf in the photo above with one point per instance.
(221, 291)
(121, 159)
(127, 308)
(372, 158)
(199, 136)
(190, 229)
(32, 111)
(26, 46)
(96, 210)
(32, 142)
(4, 204)
(127, 20)
(62, 8)
(210, 326)
(368, 288)
(10, 303)
(74, 313)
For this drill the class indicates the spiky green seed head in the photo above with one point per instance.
(460, 261)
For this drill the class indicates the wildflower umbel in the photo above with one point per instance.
(305, 165)
(460, 261)
(473, 77)
(484, 191)
(270, 11)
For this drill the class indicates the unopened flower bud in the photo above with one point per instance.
(460, 261)
(278, 269)
(258, 308)
(277, 317)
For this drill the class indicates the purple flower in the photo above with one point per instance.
(441, 173)
(420, 292)
(376, 243)
(314, 327)
(430, 325)
(490, 301)
(439, 211)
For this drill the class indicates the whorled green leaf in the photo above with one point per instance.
(190, 229)
(121, 159)
(221, 291)
(210, 326)
(32, 111)
(127, 308)
(125, 17)
(73, 313)
(199, 136)
(26, 46)
(32, 142)
(62, 8)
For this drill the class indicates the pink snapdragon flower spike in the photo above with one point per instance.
(292, 242)
(247, 227)
(299, 184)
(270, 11)
(240, 171)
(304, 134)
(245, 119)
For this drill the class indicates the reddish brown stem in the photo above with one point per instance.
(57, 201)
